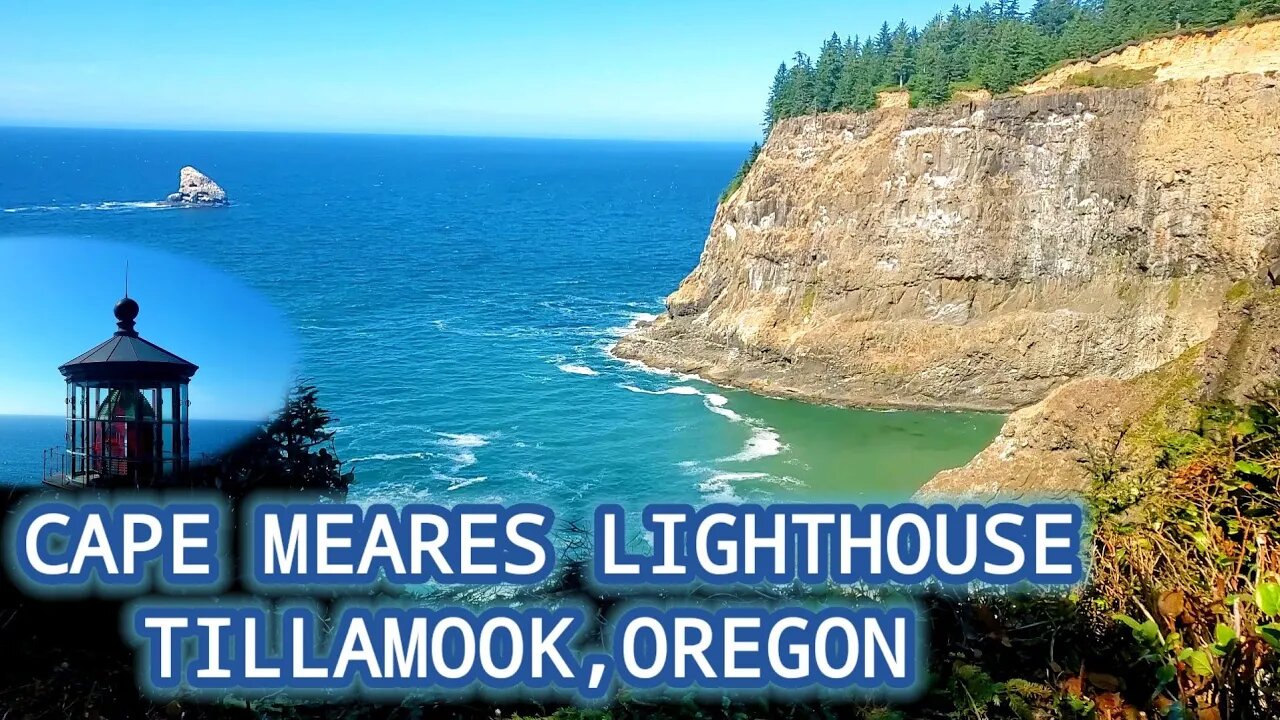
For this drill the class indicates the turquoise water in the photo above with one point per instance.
(455, 300)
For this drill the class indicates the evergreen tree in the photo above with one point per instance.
(1050, 17)
(293, 451)
(798, 97)
(771, 109)
(930, 84)
(883, 39)
(827, 72)
(855, 90)
(899, 60)
(1013, 56)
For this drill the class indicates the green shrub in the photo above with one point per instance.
(741, 175)
(1112, 77)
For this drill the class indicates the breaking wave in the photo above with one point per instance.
(109, 206)
(576, 369)
(390, 457)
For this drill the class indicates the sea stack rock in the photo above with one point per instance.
(196, 188)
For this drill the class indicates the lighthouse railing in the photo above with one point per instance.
(53, 465)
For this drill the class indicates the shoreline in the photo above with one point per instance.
(778, 393)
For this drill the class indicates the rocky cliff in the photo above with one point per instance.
(981, 254)
(1093, 426)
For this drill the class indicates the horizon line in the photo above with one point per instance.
(203, 419)
(6, 125)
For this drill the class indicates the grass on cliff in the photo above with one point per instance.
(1112, 77)
(741, 175)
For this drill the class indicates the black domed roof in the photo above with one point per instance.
(126, 356)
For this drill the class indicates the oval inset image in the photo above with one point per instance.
(124, 366)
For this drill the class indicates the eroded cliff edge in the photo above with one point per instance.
(981, 254)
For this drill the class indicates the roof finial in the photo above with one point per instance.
(127, 309)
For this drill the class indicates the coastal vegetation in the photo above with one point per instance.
(738, 177)
(994, 47)
(292, 451)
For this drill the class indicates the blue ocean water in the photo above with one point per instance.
(455, 300)
(24, 439)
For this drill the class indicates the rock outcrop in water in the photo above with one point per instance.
(982, 254)
(196, 188)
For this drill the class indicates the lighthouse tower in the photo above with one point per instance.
(127, 422)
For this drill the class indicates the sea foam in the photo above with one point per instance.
(390, 457)
(676, 390)
(576, 369)
(464, 440)
(109, 205)
(763, 443)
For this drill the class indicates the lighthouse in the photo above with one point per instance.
(127, 423)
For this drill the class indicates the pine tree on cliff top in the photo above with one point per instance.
(929, 84)
(900, 58)
(827, 72)
(994, 46)
(772, 112)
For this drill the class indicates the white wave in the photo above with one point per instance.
(763, 443)
(676, 390)
(140, 205)
(410, 490)
(638, 366)
(463, 458)
(721, 410)
(108, 205)
(462, 446)
(715, 402)
(388, 457)
(463, 440)
(736, 476)
(633, 321)
(460, 483)
(576, 369)
(719, 487)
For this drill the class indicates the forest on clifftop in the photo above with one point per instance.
(993, 47)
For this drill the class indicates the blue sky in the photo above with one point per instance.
(246, 352)
(670, 69)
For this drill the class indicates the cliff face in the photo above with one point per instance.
(981, 254)
(1052, 447)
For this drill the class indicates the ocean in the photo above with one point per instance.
(455, 300)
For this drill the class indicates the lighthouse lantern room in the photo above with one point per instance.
(126, 412)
